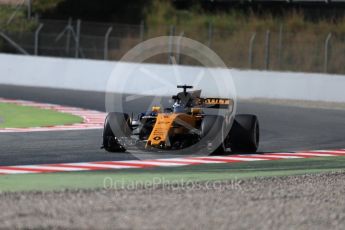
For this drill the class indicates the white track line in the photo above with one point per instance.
(310, 154)
(47, 167)
(110, 166)
(329, 151)
(279, 157)
(244, 158)
(154, 163)
(193, 160)
(13, 171)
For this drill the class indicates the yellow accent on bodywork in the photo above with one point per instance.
(167, 125)
(156, 109)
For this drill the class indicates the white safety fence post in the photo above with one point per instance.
(251, 45)
(68, 36)
(327, 44)
(170, 48)
(267, 50)
(106, 42)
(209, 34)
(280, 46)
(77, 39)
(37, 33)
(178, 49)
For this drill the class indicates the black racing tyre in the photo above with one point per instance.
(146, 129)
(116, 125)
(245, 133)
(211, 128)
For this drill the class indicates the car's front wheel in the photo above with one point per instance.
(116, 126)
(211, 128)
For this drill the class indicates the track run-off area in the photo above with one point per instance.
(91, 119)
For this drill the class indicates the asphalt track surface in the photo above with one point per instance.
(283, 128)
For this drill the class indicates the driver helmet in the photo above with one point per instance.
(178, 108)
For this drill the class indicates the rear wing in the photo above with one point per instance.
(215, 103)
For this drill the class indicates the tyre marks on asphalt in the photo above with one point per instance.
(171, 162)
(91, 119)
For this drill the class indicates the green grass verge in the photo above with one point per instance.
(167, 175)
(16, 116)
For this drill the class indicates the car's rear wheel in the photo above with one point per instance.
(116, 126)
(245, 133)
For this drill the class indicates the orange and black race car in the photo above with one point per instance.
(183, 125)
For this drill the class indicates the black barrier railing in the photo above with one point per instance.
(274, 49)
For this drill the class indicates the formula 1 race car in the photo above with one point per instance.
(183, 125)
